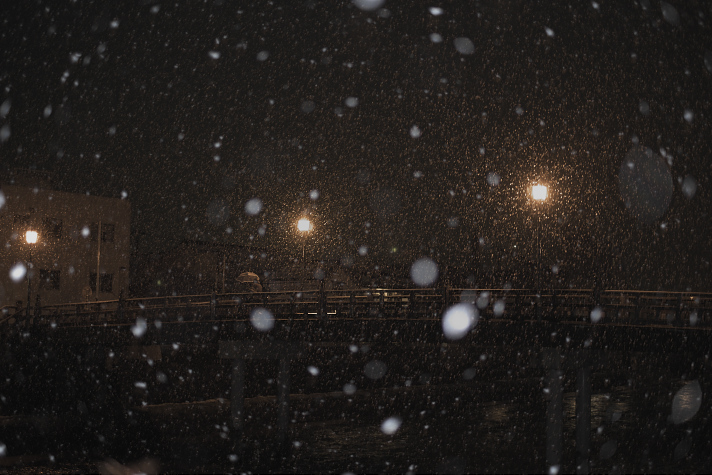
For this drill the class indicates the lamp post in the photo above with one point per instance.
(539, 193)
(304, 226)
(31, 238)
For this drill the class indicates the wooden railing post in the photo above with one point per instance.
(213, 304)
(537, 305)
(637, 308)
(120, 306)
(322, 301)
(38, 306)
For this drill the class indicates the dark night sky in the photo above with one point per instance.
(195, 109)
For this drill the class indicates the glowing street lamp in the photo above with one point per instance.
(304, 226)
(539, 193)
(31, 238)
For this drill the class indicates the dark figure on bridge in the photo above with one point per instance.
(248, 282)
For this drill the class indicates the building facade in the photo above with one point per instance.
(82, 250)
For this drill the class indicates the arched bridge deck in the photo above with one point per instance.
(676, 309)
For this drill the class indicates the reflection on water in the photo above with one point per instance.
(606, 408)
(441, 431)
(631, 431)
(458, 428)
(344, 445)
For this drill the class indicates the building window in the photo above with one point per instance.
(107, 232)
(106, 282)
(49, 279)
(52, 228)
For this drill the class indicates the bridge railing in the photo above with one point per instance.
(616, 306)
(672, 308)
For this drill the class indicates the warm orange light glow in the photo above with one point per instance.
(539, 192)
(31, 237)
(304, 225)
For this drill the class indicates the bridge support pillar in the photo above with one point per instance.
(239, 352)
(555, 366)
(583, 419)
(237, 395)
(283, 381)
(554, 409)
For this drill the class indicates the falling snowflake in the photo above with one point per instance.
(5, 108)
(689, 187)
(458, 320)
(375, 369)
(139, 328)
(424, 272)
(17, 272)
(391, 425)
(262, 319)
(687, 402)
(464, 45)
(493, 179)
(368, 5)
(4, 133)
(596, 315)
(253, 207)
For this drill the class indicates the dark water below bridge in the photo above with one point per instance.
(450, 430)
(651, 425)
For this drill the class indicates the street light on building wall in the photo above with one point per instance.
(539, 194)
(31, 238)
